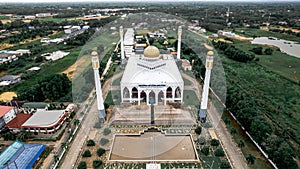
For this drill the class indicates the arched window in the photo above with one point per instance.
(125, 93)
(169, 92)
(177, 93)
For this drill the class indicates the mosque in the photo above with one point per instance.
(151, 78)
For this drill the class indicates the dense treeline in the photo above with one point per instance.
(52, 88)
(232, 52)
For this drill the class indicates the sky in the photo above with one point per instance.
(56, 1)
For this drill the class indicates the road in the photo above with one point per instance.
(234, 154)
(86, 126)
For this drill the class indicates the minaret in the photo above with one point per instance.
(208, 66)
(95, 64)
(179, 42)
(122, 45)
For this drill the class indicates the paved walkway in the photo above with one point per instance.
(235, 156)
(86, 126)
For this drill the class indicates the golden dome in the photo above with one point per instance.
(151, 52)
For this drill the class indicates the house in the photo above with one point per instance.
(55, 55)
(45, 40)
(9, 79)
(7, 57)
(70, 30)
(186, 65)
(43, 15)
(24, 51)
(7, 113)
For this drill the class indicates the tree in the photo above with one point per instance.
(198, 130)
(82, 165)
(76, 122)
(205, 150)
(97, 163)
(241, 144)
(100, 152)
(87, 153)
(259, 129)
(214, 142)
(90, 143)
(104, 141)
(106, 131)
(225, 165)
(219, 152)
(22, 135)
(268, 51)
(232, 130)
(257, 50)
(64, 145)
(201, 140)
(250, 159)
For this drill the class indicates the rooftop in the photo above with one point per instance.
(9, 77)
(20, 155)
(18, 121)
(4, 110)
(43, 118)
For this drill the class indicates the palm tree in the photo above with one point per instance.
(64, 145)
(76, 122)
(250, 159)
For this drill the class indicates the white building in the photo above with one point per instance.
(186, 64)
(7, 113)
(7, 57)
(55, 55)
(151, 77)
(9, 79)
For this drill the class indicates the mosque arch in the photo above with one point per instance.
(152, 97)
(134, 92)
(126, 93)
(169, 93)
(143, 96)
(177, 92)
(160, 96)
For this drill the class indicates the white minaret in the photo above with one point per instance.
(122, 45)
(208, 66)
(95, 64)
(179, 42)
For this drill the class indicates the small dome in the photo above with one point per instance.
(151, 52)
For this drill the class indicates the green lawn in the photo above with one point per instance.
(190, 98)
(113, 97)
(280, 63)
(117, 81)
(52, 19)
(187, 82)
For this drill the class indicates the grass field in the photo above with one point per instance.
(186, 82)
(190, 98)
(52, 19)
(280, 63)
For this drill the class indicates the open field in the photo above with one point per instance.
(250, 32)
(280, 63)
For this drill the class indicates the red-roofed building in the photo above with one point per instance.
(18, 121)
(7, 113)
(186, 65)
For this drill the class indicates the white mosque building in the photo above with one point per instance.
(151, 78)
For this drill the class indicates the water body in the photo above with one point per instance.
(289, 47)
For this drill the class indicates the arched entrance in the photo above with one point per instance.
(169, 92)
(152, 97)
(177, 93)
(134, 93)
(143, 96)
(125, 93)
(161, 96)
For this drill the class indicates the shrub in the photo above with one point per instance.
(82, 165)
(225, 165)
(100, 152)
(198, 130)
(219, 152)
(201, 140)
(90, 143)
(205, 150)
(106, 131)
(97, 163)
(97, 125)
(87, 153)
(214, 142)
(104, 141)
